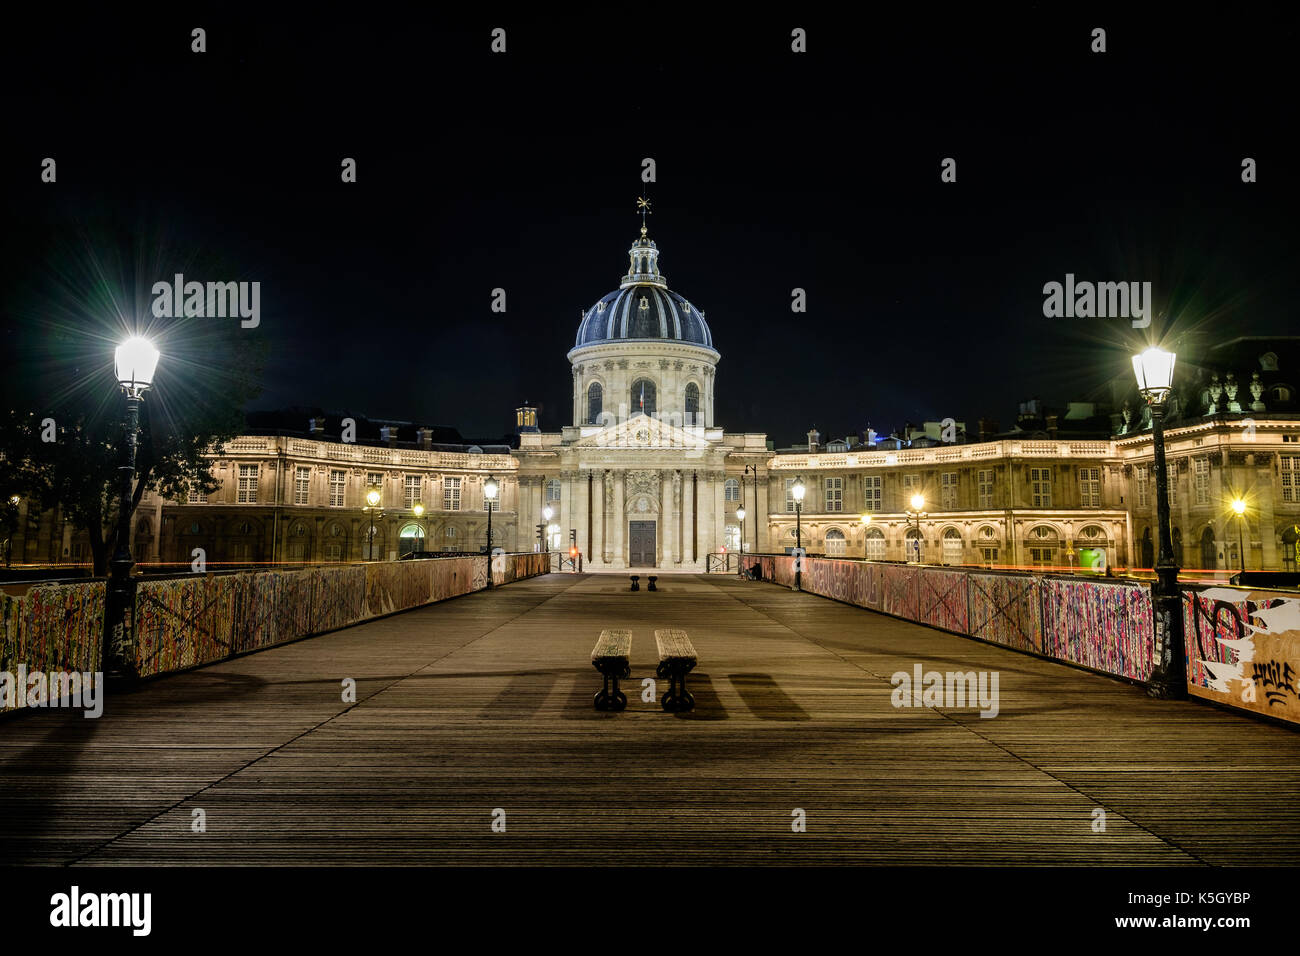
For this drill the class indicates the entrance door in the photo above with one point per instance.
(641, 544)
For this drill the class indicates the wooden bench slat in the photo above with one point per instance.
(674, 645)
(613, 642)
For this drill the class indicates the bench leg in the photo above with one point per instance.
(610, 698)
(602, 699)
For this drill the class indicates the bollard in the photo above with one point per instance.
(651, 585)
(636, 582)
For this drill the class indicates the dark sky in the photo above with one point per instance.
(774, 171)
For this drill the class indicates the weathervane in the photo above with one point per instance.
(644, 205)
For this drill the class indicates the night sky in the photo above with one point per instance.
(774, 171)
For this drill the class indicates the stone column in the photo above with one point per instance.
(761, 542)
(719, 523)
(666, 536)
(675, 478)
(619, 558)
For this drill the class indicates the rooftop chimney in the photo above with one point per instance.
(316, 427)
(814, 438)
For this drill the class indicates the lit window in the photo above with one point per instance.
(595, 402)
(692, 404)
(301, 485)
(875, 545)
(948, 490)
(338, 482)
(1143, 493)
(836, 544)
(986, 488)
(1090, 487)
(247, 493)
(451, 495)
(553, 488)
(1290, 477)
(1040, 480)
(412, 490)
(1201, 480)
(834, 494)
(871, 493)
(731, 489)
(952, 546)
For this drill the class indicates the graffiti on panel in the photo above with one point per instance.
(899, 590)
(941, 599)
(1105, 626)
(52, 629)
(1243, 649)
(1004, 608)
(515, 567)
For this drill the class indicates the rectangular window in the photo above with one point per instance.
(1042, 555)
(1089, 487)
(789, 494)
(1143, 494)
(338, 482)
(986, 489)
(990, 555)
(1290, 465)
(1201, 480)
(871, 492)
(876, 547)
(333, 551)
(411, 490)
(834, 494)
(1040, 482)
(247, 492)
(1172, 484)
(301, 485)
(948, 490)
(196, 497)
(451, 494)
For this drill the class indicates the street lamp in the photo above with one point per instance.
(750, 469)
(740, 513)
(134, 362)
(1239, 506)
(419, 513)
(373, 497)
(490, 489)
(914, 517)
(1154, 370)
(798, 491)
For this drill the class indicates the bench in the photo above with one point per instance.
(651, 585)
(610, 657)
(636, 582)
(677, 658)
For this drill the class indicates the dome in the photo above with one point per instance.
(643, 307)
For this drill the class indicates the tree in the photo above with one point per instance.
(61, 442)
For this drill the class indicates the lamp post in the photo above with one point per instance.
(798, 490)
(1239, 506)
(740, 513)
(1154, 370)
(418, 509)
(914, 517)
(373, 497)
(490, 489)
(134, 362)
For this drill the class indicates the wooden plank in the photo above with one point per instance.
(674, 645)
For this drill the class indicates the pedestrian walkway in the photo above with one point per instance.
(479, 710)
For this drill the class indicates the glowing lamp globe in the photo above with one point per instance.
(1239, 506)
(740, 514)
(797, 489)
(372, 497)
(135, 361)
(918, 502)
(1154, 370)
(490, 489)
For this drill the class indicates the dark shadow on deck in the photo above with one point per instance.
(765, 698)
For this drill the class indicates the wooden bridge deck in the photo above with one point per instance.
(484, 702)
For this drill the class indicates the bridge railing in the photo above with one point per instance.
(187, 620)
(1100, 624)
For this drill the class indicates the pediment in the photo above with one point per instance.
(643, 431)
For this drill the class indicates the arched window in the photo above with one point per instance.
(875, 544)
(692, 404)
(913, 545)
(952, 546)
(836, 544)
(411, 539)
(1092, 533)
(643, 397)
(731, 489)
(595, 397)
(733, 537)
